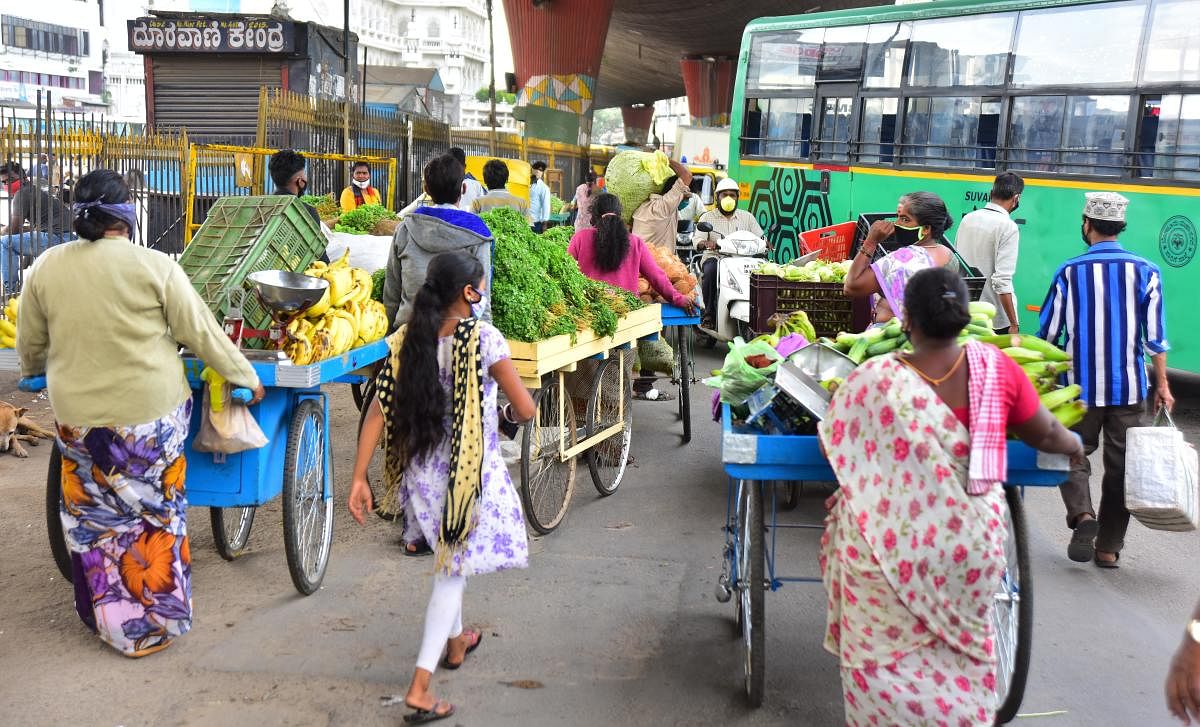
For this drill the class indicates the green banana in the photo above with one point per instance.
(1023, 355)
(1047, 349)
(1005, 341)
(1058, 397)
(1071, 413)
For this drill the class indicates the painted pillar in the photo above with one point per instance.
(557, 47)
(637, 122)
(708, 81)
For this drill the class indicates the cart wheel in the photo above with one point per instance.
(791, 495)
(54, 527)
(547, 482)
(307, 513)
(231, 529)
(751, 589)
(685, 369)
(1012, 616)
(607, 460)
(368, 395)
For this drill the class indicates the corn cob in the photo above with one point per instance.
(1058, 397)
(1024, 355)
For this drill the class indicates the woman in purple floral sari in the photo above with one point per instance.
(103, 320)
(921, 224)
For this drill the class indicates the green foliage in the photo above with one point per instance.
(556, 205)
(362, 220)
(538, 291)
(377, 284)
(324, 204)
(501, 96)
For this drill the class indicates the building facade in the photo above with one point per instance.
(53, 46)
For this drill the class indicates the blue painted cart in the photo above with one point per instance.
(296, 462)
(755, 461)
(679, 328)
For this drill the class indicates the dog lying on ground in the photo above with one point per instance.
(15, 428)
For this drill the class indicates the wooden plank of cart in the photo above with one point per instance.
(595, 422)
(754, 461)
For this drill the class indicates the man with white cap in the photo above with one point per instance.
(1108, 303)
(726, 219)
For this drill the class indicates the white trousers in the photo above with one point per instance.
(443, 619)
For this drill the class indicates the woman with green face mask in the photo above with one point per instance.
(921, 223)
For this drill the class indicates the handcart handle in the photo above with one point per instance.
(32, 384)
(241, 395)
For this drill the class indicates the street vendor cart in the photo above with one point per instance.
(679, 327)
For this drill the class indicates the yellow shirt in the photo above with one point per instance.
(349, 202)
(103, 320)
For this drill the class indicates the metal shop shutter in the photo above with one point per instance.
(212, 96)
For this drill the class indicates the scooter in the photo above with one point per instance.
(741, 253)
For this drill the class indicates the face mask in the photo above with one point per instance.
(480, 306)
(361, 185)
(1016, 205)
(683, 205)
(727, 204)
(907, 235)
(1083, 234)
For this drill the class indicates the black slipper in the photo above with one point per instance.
(446, 660)
(1083, 541)
(421, 549)
(421, 716)
(1114, 563)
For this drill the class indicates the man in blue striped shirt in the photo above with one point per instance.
(1108, 303)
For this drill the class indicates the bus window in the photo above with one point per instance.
(785, 60)
(885, 54)
(1173, 135)
(878, 132)
(789, 128)
(951, 131)
(1074, 45)
(966, 51)
(1094, 140)
(842, 54)
(1173, 53)
(1035, 132)
(835, 128)
(752, 131)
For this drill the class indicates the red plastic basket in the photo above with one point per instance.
(833, 242)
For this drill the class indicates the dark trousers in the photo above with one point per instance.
(708, 288)
(539, 227)
(1113, 421)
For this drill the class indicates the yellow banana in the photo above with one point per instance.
(319, 307)
(322, 344)
(342, 263)
(341, 286)
(6, 342)
(8, 329)
(349, 318)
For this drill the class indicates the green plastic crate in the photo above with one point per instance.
(243, 235)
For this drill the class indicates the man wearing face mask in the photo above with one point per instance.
(360, 191)
(49, 223)
(988, 240)
(726, 219)
(1108, 305)
(287, 172)
(539, 198)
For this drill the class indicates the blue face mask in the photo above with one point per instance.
(479, 307)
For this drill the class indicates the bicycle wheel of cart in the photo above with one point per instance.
(368, 395)
(54, 528)
(231, 529)
(1012, 616)
(751, 589)
(611, 401)
(307, 513)
(547, 482)
(683, 373)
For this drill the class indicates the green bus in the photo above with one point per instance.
(837, 114)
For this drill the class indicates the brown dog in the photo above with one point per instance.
(16, 428)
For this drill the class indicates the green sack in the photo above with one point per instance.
(737, 379)
(656, 356)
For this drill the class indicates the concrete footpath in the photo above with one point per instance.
(614, 622)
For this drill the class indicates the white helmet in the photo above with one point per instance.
(727, 185)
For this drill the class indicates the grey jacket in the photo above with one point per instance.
(418, 238)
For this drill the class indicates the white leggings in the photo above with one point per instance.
(443, 619)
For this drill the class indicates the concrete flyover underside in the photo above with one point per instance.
(647, 38)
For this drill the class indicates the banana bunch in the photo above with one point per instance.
(8, 324)
(346, 317)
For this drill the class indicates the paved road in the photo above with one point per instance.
(614, 623)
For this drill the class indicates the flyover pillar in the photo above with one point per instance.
(557, 47)
(637, 122)
(708, 81)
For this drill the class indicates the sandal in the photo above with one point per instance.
(447, 664)
(421, 716)
(1107, 563)
(1083, 541)
(417, 549)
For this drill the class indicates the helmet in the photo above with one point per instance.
(727, 185)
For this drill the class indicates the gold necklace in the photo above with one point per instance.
(962, 355)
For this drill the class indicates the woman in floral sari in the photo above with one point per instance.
(921, 224)
(103, 320)
(914, 539)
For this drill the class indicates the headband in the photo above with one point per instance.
(609, 214)
(124, 211)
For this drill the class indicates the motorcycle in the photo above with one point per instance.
(740, 254)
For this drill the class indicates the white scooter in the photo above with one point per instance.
(741, 253)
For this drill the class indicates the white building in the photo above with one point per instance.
(474, 114)
(55, 46)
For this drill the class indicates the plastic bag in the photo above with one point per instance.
(1161, 484)
(369, 252)
(737, 379)
(228, 430)
(656, 356)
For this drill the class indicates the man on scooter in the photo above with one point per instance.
(725, 219)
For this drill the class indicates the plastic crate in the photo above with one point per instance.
(974, 287)
(826, 304)
(832, 242)
(243, 235)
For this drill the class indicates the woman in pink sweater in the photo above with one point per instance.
(608, 253)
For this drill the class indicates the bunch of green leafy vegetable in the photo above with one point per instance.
(362, 220)
(538, 290)
(324, 204)
(561, 235)
(377, 278)
(556, 205)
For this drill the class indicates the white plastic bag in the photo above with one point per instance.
(369, 252)
(230, 430)
(1161, 482)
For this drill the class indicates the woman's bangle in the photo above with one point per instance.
(506, 412)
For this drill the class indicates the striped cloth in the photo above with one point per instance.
(988, 417)
(1108, 304)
